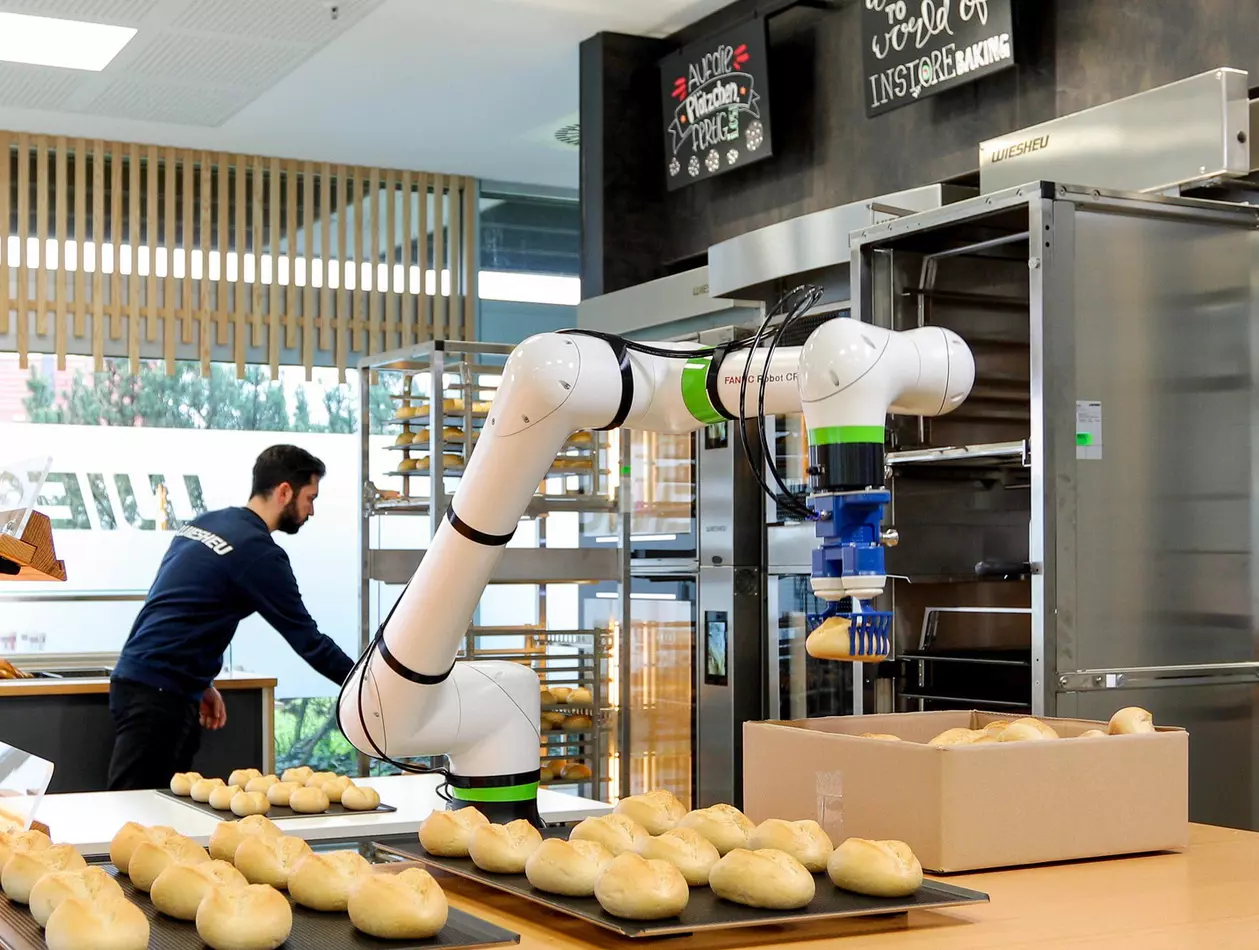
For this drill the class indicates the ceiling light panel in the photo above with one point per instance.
(69, 44)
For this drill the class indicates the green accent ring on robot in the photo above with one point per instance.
(510, 793)
(695, 391)
(843, 435)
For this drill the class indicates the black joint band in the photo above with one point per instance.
(621, 352)
(472, 534)
(406, 672)
(710, 380)
(494, 781)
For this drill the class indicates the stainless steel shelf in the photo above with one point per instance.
(1006, 453)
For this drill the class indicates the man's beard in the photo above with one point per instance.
(290, 521)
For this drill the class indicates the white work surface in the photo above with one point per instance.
(89, 820)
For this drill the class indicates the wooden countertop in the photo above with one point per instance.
(53, 687)
(1207, 897)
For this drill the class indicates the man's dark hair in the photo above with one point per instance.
(285, 463)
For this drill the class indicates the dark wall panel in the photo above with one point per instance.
(1072, 54)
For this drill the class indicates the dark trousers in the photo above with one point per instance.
(156, 734)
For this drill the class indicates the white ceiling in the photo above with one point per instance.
(473, 87)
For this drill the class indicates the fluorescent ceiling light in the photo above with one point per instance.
(608, 595)
(70, 44)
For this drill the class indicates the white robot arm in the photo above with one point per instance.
(407, 696)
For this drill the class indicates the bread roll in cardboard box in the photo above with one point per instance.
(967, 807)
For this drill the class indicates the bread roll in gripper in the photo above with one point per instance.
(724, 825)
(617, 833)
(835, 639)
(325, 881)
(804, 840)
(113, 923)
(254, 917)
(447, 834)
(569, 868)
(25, 868)
(766, 878)
(636, 888)
(503, 849)
(687, 850)
(875, 868)
(658, 810)
(408, 905)
(89, 884)
(180, 889)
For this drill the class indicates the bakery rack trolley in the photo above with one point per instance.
(439, 395)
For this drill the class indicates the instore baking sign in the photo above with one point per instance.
(917, 48)
(716, 104)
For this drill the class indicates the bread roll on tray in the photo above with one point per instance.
(657, 811)
(618, 833)
(404, 906)
(242, 777)
(248, 804)
(298, 774)
(181, 782)
(110, 924)
(221, 796)
(325, 881)
(804, 840)
(253, 917)
(569, 868)
(686, 849)
(260, 783)
(360, 798)
(765, 878)
(200, 791)
(309, 800)
(270, 860)
(875, 868)
(281, 792)
(228, 835)
(14, 841)
(724, 825)
(25, 868)
(129, 836)
(151, 858)
(503, 849)
(333, 788)
(88, 884)
(179, 890)
(635, 888)
(447, 834)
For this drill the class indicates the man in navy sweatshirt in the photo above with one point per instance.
(219, 569)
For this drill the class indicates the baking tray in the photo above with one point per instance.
(312, 930)
(277, 811)
(705, 911)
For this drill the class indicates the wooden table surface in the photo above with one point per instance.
(100, 684)
(1207, 897)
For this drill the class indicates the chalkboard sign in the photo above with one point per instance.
(917, 48)
(716, 104)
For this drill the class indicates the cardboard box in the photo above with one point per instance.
(964, 808)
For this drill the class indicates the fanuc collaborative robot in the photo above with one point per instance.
(407, 697)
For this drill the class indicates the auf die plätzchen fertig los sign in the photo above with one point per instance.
(716, 104)
(917, 48)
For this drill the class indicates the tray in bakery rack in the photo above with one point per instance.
(705, 910)
(312, 930)
(277, 811)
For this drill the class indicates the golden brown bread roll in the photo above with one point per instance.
(280, 792)
(561, 693)
(24, 868)
(686, 849)
(545, 776)
(326, 881)
(567, 867)
(577, 723)
(765, 878)
(956, 736)
(406, 438)
(13, 841)
(553, 720)
(1131, 720)
(360, 798)
(260, 783)
(636, 888)
(404, 906)
(547, 698)
(658, 810)
(804, 840)
(253, 917)
(334, 787)
(880, 735)
(228, 835)
(271, 861)
(245, 804)
(447, 834)
(557, 765)
(113, 923)
(875, 868)
(831, 641)
(88, 884)
(200, 791)
(575, 772)
(151, 858)
(1092, 734)
(309, 800)
(316, 779)
(221, 796)
(503, 849)
(180, 889)
(996, 727)
(618, 833)
(581, 696)
(298, 774)
(242, 777)
(724, 825)
(1028, 729)
(129, 836)
(181, 782)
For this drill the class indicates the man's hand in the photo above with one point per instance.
(213, 712)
